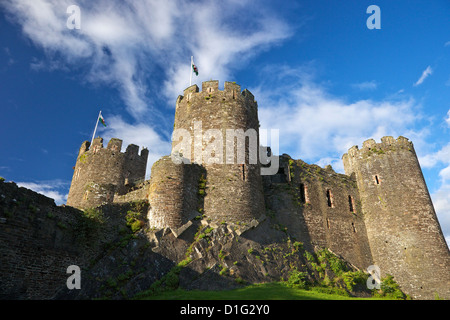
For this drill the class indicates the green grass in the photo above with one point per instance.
(265, 291)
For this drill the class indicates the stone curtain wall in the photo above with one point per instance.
(37, 244)
(403, 231)
(39, 241)
(300, 202)
(138, 192)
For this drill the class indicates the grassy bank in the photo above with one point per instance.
(266, 291)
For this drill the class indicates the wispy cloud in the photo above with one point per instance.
(447, 119)
(55, 189)
(124, 43)
(317, 126)
(427, 72)
(441, 202)
(367, 85)
(139, 134)
(441, 156)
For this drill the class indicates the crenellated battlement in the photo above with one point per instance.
(101, 172)
(210, 91)
(114, 146)
(371, 148)
(387, 144)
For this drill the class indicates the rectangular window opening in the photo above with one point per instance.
(350, 204)
(329, 198)
(302, 193)
(377, 181)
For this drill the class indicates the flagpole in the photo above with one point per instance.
(98, 118)
(190, 68)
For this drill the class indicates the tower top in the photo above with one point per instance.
(388, 143)
(114, 145)
(371, 148)
(210, 87)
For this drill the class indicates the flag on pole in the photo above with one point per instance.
(194, 68)
(102, 120)
(99, 118)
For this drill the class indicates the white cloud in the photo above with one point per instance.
(441, 197)
(441, 201)
(427, 72)
(52, 189)
(315, 125)
(123, 43)
(319, 128)
(367, 85)
(139, 134)
(445, 174)
(447, 119)
(432, 159)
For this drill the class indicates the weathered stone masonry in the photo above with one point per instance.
(100, 173)
(404, 234)
(378, 212)
(233, 191)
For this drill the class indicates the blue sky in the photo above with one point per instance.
(320, 76)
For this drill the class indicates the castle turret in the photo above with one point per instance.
(101, 172)
(218, 130)
(224, 127)
(404, 234)
(174, 193)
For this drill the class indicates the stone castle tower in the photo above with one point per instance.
(404, 234)
(205, 117)
(101, 173)
(378, 213)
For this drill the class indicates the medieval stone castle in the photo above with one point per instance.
(378, 213)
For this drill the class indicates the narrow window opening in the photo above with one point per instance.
(243, 172)
(302, 193)
(350, 204)
(377, 181)
(329, 198)
(353, 227)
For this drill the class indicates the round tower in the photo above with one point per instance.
(219, 129)
(404, 234)
(100, 172)
(174, 193)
